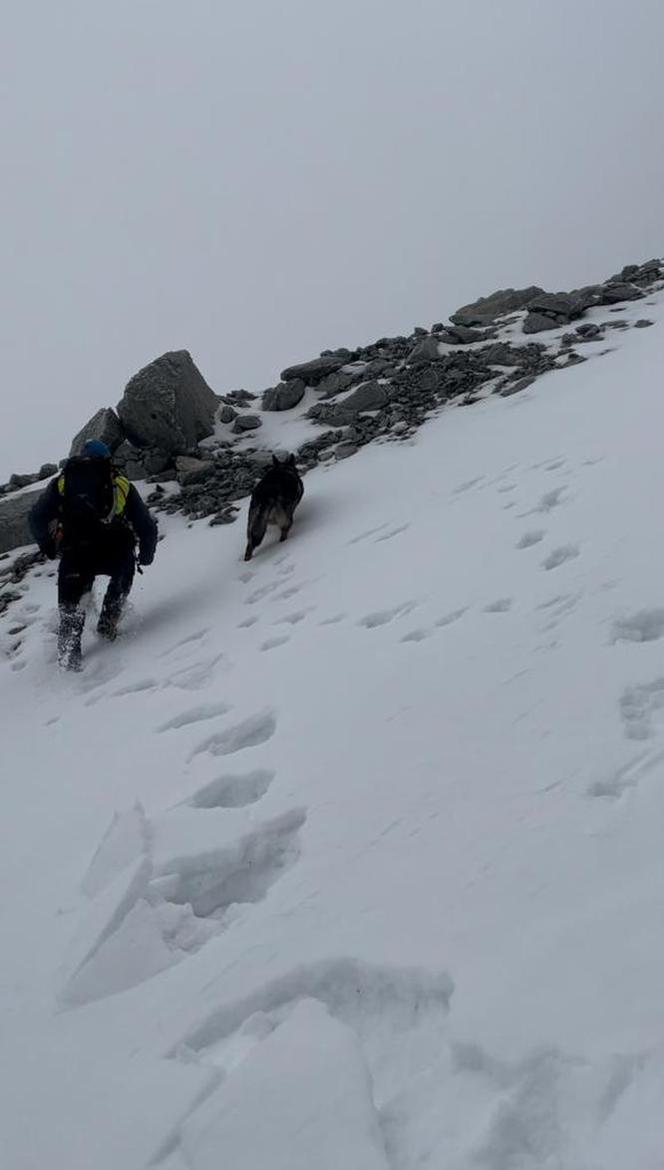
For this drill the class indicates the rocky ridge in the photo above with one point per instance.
(171, 428)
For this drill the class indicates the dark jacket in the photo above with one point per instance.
(135, 520)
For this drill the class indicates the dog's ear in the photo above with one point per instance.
(291, 460)
(275, 461)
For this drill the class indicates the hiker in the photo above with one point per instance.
(92, 517)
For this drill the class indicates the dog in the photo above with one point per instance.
(273, 501)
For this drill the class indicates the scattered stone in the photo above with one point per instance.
(313, 372)
(104, 425)
(168, 405)
(368, 396)
(643, 323)
(239, 397)
(227, 413)
(344, 450)
(539, 322)
(246, 422)
(284, 396)
(190, 470)
(516, 387)
(589, 331)
(225, 516)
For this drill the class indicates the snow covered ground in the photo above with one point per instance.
(351, 858)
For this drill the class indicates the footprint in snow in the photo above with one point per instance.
(272, 643)
(453, 616)
(381, 617)
(550, 500)
(391, 533)
(264, 591)
(530, 538)
(250, 621)
(558, 556)
(467, 485)
(234, 791)
(416, 635)
(195, 637)
(251, 732)
(647, 625)
(365, 535)
(194, 715)
(500, 605)
(292, 619)
(332, 621)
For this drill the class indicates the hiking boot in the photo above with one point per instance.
(69, 639)
(107, 626)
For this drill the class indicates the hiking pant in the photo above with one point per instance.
(80, 565)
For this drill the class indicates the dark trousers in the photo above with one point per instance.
(79, 565)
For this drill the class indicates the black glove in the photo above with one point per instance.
(48, 548)
(145, 557)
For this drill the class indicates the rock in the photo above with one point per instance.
(226, 413)
(629, 271)
(313, 372)
(516, 387)
(168, 405)
(368, 396)
(20, 481)
(104, 425)
(425, 350)
(225, 516)
(643, 323)
(284, 396)
(246, 422)
(562, 307)
(325, 455)
(189, 469)
(14, 528)
(464, 335)
(7, 596)
(129, 460)
(155, 462)
(620, 291)
(538, 323)
(344, 450)
(589, 331)
(485, 310)
(47, 471)
(336, 383)
(239, 397)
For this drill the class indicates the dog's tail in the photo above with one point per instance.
(256, 527)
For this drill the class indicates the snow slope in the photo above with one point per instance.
(352, 857)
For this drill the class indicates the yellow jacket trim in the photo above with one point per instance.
(121, 485)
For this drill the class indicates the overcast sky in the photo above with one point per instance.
(258, 180)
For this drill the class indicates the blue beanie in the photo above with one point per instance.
(95, 449)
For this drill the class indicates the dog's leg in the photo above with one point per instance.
(285, 530)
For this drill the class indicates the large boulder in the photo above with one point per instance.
(104, 425)
(14, 528)
(284, 396)
(487, 309)
(616, 291)
(168, 405)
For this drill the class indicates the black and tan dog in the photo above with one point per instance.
(273, 501)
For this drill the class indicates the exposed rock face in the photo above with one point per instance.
(104, 425)
(284, 396)
(168, 405)
(14, 528)
(485, 310)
